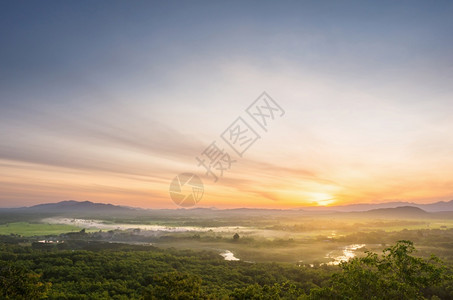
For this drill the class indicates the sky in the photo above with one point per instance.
(109, 101)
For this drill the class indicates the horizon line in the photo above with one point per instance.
(231, 208)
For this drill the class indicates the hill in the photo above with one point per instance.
(397, 212)
(441, 206)
(77, 206)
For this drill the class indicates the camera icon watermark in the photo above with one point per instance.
(186, 189)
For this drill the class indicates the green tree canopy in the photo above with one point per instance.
(17, 283)
(394, 275)
(174, 285)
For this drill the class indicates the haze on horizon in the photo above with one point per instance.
(109, 101)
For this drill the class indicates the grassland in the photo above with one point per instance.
(35, 229)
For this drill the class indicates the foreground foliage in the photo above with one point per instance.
(394, 275)
(119, 271)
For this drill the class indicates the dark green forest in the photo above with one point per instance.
(100, 270)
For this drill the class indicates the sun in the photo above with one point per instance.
(321, 199)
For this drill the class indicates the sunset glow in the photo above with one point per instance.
(367, 110)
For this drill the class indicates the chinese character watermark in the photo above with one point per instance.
(240, 136)
(264, 110)
(214, 159)
(187, 189)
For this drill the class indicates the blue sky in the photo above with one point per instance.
(109, 100)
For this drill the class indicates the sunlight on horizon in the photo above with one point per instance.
(116, 110)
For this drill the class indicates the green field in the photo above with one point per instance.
(35, 229)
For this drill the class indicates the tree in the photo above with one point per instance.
(286, 290)
(174, 286)
(236, 236)
(395, 275)
(17, 283)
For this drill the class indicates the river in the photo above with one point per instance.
(228, 255)
(347, 253)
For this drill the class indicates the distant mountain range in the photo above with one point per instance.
(77, 206)
(72, 206)
(440, 206)
(401, 211)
